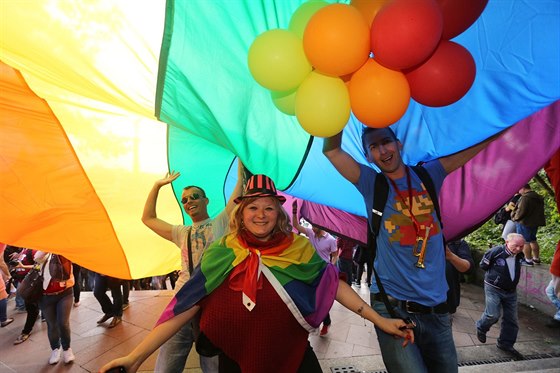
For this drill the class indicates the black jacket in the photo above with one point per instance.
(497, 271)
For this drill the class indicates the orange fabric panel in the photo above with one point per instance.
(47, 201)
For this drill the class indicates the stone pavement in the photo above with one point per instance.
(349, 343)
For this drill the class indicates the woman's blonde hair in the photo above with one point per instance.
(236, 220)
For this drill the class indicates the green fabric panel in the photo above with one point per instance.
(214, 107)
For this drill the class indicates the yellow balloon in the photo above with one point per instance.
(322, 105)
(285, 101)
(303, 14)
(277, 60)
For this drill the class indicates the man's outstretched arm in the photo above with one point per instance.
(342, 161)
(452, 162)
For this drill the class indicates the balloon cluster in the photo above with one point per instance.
(369, 57)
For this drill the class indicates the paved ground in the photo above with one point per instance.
(349, 342)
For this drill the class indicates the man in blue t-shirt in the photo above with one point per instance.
(409, 226)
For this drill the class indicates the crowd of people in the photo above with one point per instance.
(273, 279)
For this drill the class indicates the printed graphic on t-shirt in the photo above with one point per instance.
(399, 223)
(201, 237)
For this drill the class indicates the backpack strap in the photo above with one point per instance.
(380, 195)
(430, 187)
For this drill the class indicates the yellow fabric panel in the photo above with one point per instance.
(96, 64)
(103, 50)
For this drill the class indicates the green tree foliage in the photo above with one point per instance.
(490, 234)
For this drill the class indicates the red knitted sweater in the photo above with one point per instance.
(266, 339)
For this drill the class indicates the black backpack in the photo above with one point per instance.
(501, 216)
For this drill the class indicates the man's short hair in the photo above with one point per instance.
(367, 130)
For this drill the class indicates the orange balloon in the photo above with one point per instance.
(378, 96)
(368, 8)
(337, 40)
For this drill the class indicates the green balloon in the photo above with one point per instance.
(285, 101)
(303, 14)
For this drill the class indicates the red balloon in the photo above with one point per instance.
(458, 15)
(444, 78)
(405, 32)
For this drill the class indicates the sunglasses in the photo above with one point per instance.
(192, 197)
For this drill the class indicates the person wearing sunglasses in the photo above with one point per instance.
(191, 240)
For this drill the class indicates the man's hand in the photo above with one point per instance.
(169, 177)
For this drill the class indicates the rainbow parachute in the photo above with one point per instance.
(100, 98)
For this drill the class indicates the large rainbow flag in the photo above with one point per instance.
(99, 98)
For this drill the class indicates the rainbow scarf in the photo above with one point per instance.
(302, 279)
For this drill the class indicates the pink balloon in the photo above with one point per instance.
(459, 15)
(444, 78)
(405, 32)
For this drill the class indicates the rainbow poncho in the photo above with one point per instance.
(302, 279)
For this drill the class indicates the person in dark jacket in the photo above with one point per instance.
(503, 268)
(529, 216)
(458, 259)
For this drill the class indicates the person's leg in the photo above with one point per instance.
(552, 295)
(115, 285)
(491, 313)
(20, 303)
(309, 363)
(395, 357)
(63, 309)
(100, 293)
(536, 251)
(436, 343)
(173, 354)
(509, 327)
(32, 309)
(76, 269)
(345, 266)
(509, 227)
(48, 306)
(3, 309)
(360, 273)
(525, 232)
(327, 321)
(125, 290)
(91, 280)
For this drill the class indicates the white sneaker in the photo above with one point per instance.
(76, 304)
(68, 356)
(55, 356)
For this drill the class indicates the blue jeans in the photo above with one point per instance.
(496, 300)
(3, 308)
(56, 309)
(20, 303)
(554, 299)
(433, 349)
(173, 353)
(113, 308)
(345, 266)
